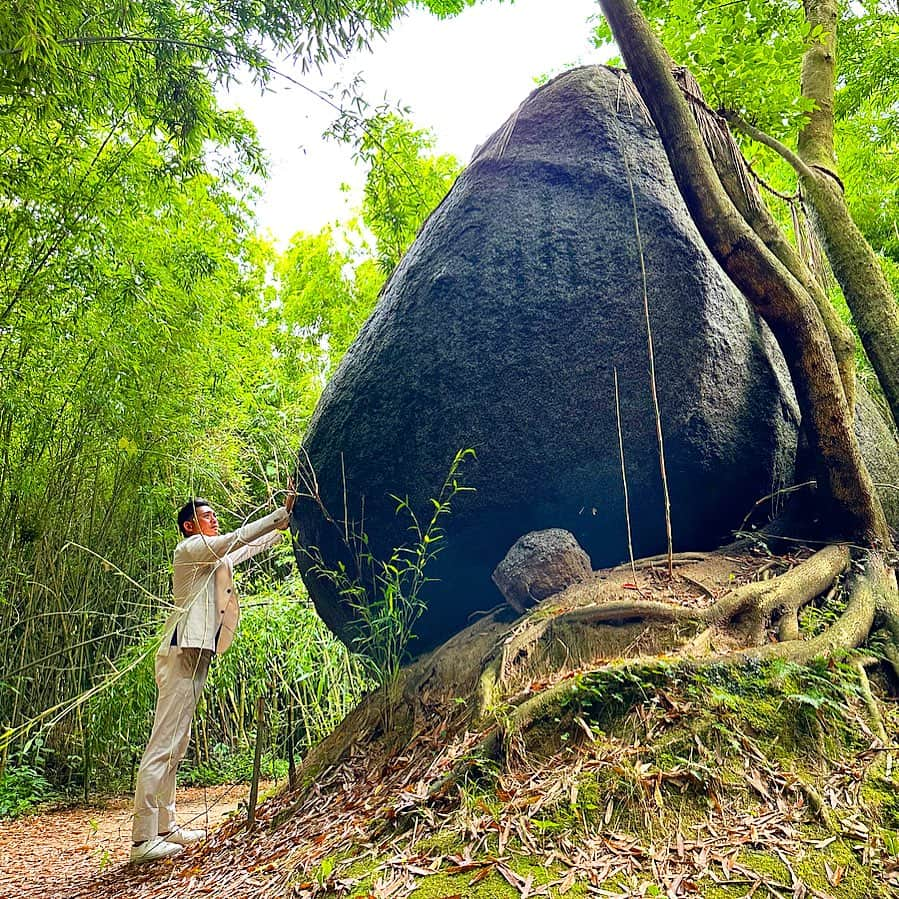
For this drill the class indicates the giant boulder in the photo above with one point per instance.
(502, 330)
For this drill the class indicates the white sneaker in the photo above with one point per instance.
(154, 850)
(183, 836)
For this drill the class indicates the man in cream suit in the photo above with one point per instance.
(202, 624)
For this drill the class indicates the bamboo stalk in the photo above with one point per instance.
(291, 748)
(627, 507)
(652, 374)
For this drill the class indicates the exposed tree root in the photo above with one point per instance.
(816, 803)
(783, 595)
(874, 716)
(747, 613)
(591, 632)
(510, 683)
(661, 561)
(847, 632)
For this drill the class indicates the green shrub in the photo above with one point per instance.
(22, 787)
(386, 595)
(227, 765)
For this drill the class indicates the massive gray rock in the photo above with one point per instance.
(502, 329)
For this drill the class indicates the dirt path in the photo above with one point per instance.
(46, 855)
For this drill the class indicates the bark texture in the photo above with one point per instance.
(859, 274)
(741, 188)
(817, 82)
(855, 265)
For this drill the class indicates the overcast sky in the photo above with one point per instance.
(462, 78)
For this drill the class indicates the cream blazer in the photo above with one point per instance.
(206, 607)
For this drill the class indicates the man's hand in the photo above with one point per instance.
(291, 496)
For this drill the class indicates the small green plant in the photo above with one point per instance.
(817, 617)
(325, 869)
(386, 596)
(22, 788)
(228, 765)
(606, 696)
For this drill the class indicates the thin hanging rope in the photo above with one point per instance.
(652, 369)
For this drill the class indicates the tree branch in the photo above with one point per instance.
(772, 143)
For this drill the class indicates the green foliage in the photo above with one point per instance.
(404, 184)
(114, 725)
(128, 286)
(405, 181)
(747, 58)
(157, 62)
(744, 55)
(868, 148)
(22, 788)
(323, 296)
(125, 346)
(225, 764)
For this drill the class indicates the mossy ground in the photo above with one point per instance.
(834, 870)
(654, 781)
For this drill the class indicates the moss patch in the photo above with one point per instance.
(481, 882)
(851, 879)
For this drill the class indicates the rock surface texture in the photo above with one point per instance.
(501, 330)
(538, 565)
(880, 451)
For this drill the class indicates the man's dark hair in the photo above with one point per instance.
(189, 511)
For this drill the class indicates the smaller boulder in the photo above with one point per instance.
(540, 564)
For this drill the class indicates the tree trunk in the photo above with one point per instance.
(817, 82)
(859, 274)
(740, 186)
(855, 265)
(850, 505)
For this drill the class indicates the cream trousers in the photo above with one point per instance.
(180, 676)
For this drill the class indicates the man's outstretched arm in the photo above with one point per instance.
(253, 536)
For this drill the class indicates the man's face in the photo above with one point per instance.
(204, 522)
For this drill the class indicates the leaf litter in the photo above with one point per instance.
(370, 826)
